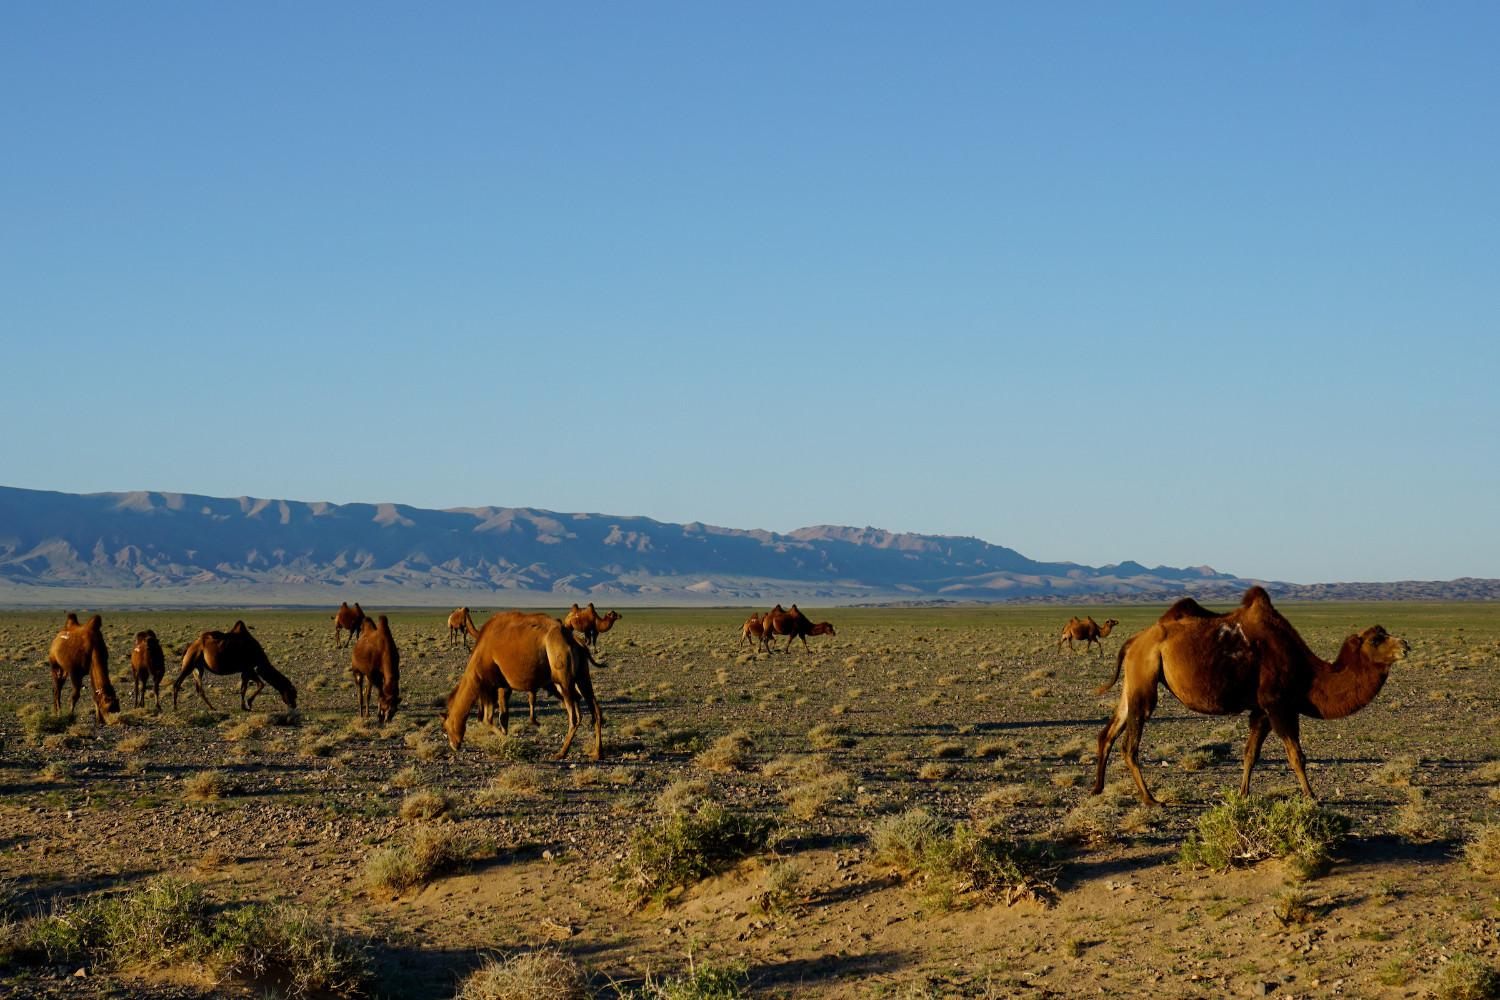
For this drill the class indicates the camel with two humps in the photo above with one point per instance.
(78, 650)
(460, 625)
(376, 662)
(347, 619)
(1250, 659)
(1088, 630)
(794, 625)
(590, 623)
(754, 632)
(228, 653)
(148, 664)
(524, 652)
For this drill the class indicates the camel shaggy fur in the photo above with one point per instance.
(524, 652)
(1250, 659)
(590, 623)
(147, 663)
(754, 632)
(794, 625)
(460, 625)
(376, 662)
(347, 619)
(232, 652)
(1088, 630)
(78, 650)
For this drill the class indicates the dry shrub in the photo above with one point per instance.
(936, 771)
(688, 848)
(1293, 905)
(1482, 849)
(1398, 771)
(407, 777)
(729, 753)
(135, 744)
(519, 781)
(953, 860)
(1091, 823)
(778, 886)
(547, 974)
(430, 852)
(250, 729)
(798, 765)
(1488, 773)
(1067, 779)
(944, 749)
(426, 804)
(1468, 977)
(511, 749)
(1419, 819)
(995, 748)
(205, 785)
(1075, 748)
(814, 798)
(684, 796)
(1246, 829)
(56, 770)
(830, 735)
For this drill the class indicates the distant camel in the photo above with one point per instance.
(233, 652)
(460, 624)
(590, 623)
(78, 650)
(520, 652)
(1086, 629)
(1249, 659)
(347, 619)
(794, 625)
(377, 662)
(147, 663)
(755, 633)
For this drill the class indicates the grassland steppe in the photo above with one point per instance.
(750, 829)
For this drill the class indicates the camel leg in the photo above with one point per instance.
(1288, 727)
(1260, 725)
(586, 688)
(259, 686)
(531, 706)
(198, 683)
(566, 694)
(77, 690)
(1107, 741)
(156, 686)
(504, 711)
(1131, 751)
(57, 683)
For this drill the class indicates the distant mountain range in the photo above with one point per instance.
(173, 548)
(112, 549)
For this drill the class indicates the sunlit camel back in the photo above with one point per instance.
(460, 625)
(347, 619)
(521, 652)
(1088, 630)
(147, 664)
(794, 625)
(1250, 659)
(78, 650)
(754, 632)
(590, 623)
(376, 662)
(229, 653)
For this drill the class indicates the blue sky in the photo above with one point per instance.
(1180, 283)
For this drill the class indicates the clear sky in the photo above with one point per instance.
(1184, 283)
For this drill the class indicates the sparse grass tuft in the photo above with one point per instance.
(1398, 771)
(431, 851)
(547, 974)
(205, 786)
(683, 796)
(1247, 829)
(688, 848)
(729, 753)
(778, 885)
(1482, 849)
(426, 804)
(952, 860)
(1293, 905)
(1468, 977)
(1091, 823)
(1418, 819)
(42, 723)
(511, 749)
(519, 781)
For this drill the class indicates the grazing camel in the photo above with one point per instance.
(1249, 659)
(233, 652)
(755, 633)
(377, 662)
(147, 663)
(460, 624)
(347, 619)
(1088, 630)
(590, 623)
(521, 652)
(78, 650)
(794, 625)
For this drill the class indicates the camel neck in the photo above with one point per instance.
(1345, 686)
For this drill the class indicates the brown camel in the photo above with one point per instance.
(1088, 630)
(233, 652)
(794, 625)
(78, 650)
(521, 652)
(460, 624)
(377, 662)
(754, 632)
(147, 663)
(347, 619)
(1249, 659)
(590, 623)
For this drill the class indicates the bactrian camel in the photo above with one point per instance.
(794, 625)
(524, 652)
(232, 652)
(1088, 630)
(754, 632)
(376, 662)
(460, 625)
(590, 623)
(1250, 659)
(78, 650)
(347, 619)
(147, 664)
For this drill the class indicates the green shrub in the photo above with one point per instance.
(688, 848)
(1248, 829)
(953, 859)
(1467, 977)
(700, 983)
(44, 723)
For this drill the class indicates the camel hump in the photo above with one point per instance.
(95, 623)
(72, 618)
(1256, 595)
(385, 626)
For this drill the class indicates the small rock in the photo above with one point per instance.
(81, 974)
(1262, 988)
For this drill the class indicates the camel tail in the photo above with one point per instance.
(1119, 663)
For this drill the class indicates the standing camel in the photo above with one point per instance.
(521, 652)
(755, 633)
(147, 663)
(78, 650)
(590, 623)
(794, 625)
(1086, 629)
(460, 624)
(347, 619)
(232, 652)
(377, 662)
(1249, 659)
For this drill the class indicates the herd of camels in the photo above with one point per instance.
(1250, 660)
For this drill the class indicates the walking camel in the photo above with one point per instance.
(754, 632)
(590, 623)
(794, 625)
(78, 650)
(1249, 659)
(147, 663)
(347, 619)
(1088, 630)
(460, 624)
(232, 652)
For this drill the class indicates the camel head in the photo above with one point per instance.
(1377, 646)
(1111, 622)
(613, 616)
(388, 706)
